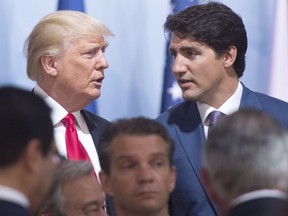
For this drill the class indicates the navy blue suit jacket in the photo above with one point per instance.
(183, 122)
(261, 207)
(12, 209)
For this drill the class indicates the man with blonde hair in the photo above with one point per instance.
(65, 56)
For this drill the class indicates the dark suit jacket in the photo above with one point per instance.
(12, 209)
(96, 126)
(183, 122)
(261, 207)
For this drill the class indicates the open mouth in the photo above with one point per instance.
(100, 80)
(184, 83)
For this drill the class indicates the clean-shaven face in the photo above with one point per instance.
(80, 69)
(141, 177)
(199, 71)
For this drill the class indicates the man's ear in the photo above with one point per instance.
(173, 178)
(49, 64)
(105, 182)
(32, 156)
(230, 56)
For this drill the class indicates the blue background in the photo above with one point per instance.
(136, 55)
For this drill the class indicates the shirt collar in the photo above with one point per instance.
(231, 105)
(273, 193)
(13, 195)
(58, 112)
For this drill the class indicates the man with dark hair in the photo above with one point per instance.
(75, 191)
(28, 154)
(208, 44)
(137, 171)
(246, 165)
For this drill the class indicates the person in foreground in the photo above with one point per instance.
(208, 44)
(246, 165)
(28, 154)
(74, 192)
(137, 171)
(65, 56)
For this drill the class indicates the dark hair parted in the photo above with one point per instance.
(133, 126)
(23, 116)
(214, 24)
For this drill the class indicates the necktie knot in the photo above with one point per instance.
(69, 121)
(213, 117)
(75, 149)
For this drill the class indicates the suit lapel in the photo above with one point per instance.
(93, 128)
(191, 135)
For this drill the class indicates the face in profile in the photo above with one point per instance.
(141, 177)
(80, 68)
(84, 197)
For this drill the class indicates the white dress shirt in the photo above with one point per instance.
(12, 195)
(231, 105)
(58, 113)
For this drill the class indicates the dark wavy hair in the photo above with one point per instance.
(214, 24)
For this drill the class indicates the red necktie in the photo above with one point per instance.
(75, 149)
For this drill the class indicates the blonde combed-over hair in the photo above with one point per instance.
(54, 32)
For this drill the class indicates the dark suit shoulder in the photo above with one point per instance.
(94, 121)
(250, 97)
(261, 207)
(12, 209)
(271, 105)
(90, 116)
(266, 99)
(96, 125)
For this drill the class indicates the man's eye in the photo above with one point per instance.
(129, 166)
(92, 210)
(173, 54)
(190, 54)
(158, 163)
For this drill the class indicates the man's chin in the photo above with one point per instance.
(95, 94)
(148, 209)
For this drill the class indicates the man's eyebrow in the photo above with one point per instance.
(124, 157)
(183, 48)
(188, 48)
